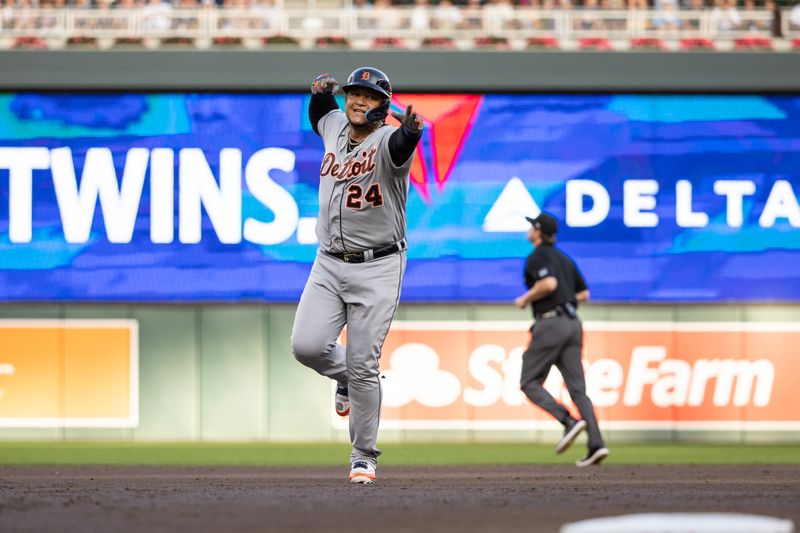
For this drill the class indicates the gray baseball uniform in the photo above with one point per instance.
(362, 214)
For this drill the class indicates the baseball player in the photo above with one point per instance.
(361, 228)
(555, 286)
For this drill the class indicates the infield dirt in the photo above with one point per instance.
(463, 499)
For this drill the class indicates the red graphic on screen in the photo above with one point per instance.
(448, 121)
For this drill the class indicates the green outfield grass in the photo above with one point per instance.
(303, 454)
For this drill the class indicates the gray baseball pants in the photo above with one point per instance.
(364, 296)
(558, 341)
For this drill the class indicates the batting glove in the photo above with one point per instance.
(324, 84)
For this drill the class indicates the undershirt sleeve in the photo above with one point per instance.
(402, 144)
(319, 106)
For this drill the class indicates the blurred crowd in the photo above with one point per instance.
(725, 15)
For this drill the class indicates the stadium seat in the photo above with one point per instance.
(647, 43)
(388, 42)
(36, 43)
(696, 43)
(550, 43)
(129, 41)
(445, 43)
(227, 40)
(79, 40)
(796, 44)
(280, 40)
(752, 43)
(332, 41)
(594, 43)
(177, 41)
(498, 43)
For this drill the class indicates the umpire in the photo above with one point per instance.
(555, 286)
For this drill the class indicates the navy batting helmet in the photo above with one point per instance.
(374, 79)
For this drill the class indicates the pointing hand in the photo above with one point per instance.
(410, 119)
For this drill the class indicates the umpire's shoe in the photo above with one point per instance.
(362, 472)
(593, 457)
(342, 401)
(572, 429)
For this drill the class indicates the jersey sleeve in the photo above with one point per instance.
(538, 268)
(330, 124)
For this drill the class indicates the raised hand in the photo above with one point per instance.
(411, 120)
(324, 84)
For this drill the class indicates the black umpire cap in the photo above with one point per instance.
(545, 223)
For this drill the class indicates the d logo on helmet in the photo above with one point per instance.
(365, 75)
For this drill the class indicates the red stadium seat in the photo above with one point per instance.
(594, 43)
(332, 41)
(752, 43)
(696, 43)
(499, 43)
(445, 43)
(796, 44)
(36, 43)
(388, 42)
(550, 43)
(227, 40)
(648, 43)
(79, 40)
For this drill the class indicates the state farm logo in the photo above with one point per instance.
(643, 375)
(673, 382)
(415, 375)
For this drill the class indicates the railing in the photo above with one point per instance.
(409, 27)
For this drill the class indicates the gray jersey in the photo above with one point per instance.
(362, 194)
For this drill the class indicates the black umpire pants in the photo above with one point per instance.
(558, 341)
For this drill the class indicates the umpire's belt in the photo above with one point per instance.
(369, 255)
(556, 311)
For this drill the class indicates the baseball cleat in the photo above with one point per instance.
(362, 472)
(342, 401)
(571, 432)
(593, 457)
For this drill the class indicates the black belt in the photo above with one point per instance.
(368, 255)
(556, 311)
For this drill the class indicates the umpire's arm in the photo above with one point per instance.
(540, 289)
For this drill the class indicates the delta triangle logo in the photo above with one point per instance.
(448, 121)
(510, 209)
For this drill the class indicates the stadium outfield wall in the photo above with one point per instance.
(443, 71)
(212, 371)
(658, 373)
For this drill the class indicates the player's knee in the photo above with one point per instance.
(528, 383)
(306, 350)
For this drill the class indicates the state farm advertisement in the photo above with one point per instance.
(653, 375)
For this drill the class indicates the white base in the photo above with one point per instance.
(681, 523)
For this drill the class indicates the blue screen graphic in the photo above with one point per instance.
(213, 197)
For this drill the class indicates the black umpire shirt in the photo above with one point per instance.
(546, 261)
